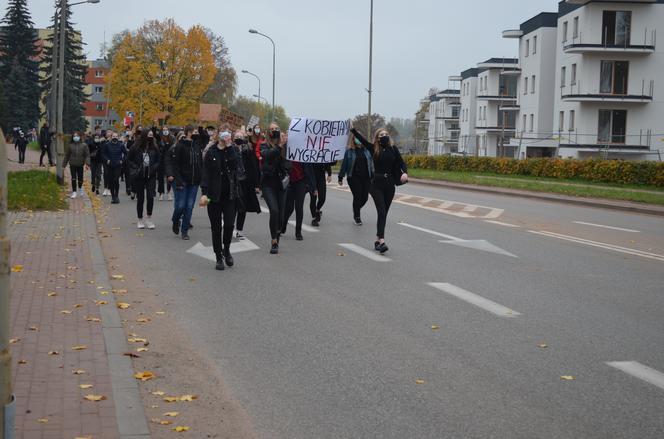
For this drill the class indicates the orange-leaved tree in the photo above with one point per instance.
(161, 69)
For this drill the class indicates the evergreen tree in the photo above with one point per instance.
(75, 70)
(19, 59)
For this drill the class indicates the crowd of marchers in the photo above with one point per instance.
(231, 170)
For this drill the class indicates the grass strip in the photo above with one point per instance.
(34, 190)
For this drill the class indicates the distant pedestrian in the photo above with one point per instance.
(143, 163)
(45, 138)
(183, 168)
(274, 180)
(166, 141)
(21, 143)
(219, 186)
(95, 145)
(390, 170)
(358, 166)
(318, 191)
(77, 156)
(248, 177)
(114, 154)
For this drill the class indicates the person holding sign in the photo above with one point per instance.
(219, 188)
(359, 167)
(390, 170)
(274, 181)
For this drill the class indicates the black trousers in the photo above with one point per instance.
(316, 202)
(161, 177)
(114, 179)
(107, 176)
(95, 174)
(275, 198)
(21, 153)
(144, 189)
(216, 212)
(295, 202)
(76, 177)
(45, 150)
(360, 187)
(382, 192)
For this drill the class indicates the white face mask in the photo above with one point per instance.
(77, 139)
(225, 135)
(257, 130)
(165, 132)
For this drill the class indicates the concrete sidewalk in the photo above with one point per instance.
(68, 341)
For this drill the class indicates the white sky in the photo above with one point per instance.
(322, 45)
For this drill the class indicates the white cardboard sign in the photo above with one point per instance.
(316, 140)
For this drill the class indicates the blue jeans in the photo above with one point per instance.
(183, 205)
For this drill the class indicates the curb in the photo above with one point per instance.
(587, 202)
(132, 423)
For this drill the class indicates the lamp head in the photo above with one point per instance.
(244, 71)
(253, 31)
(94, 1)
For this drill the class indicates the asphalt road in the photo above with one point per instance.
(324, 341)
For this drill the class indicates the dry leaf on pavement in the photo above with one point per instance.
(53, 353)
(543, 345)
(42, 420)
(144, 376)
(123, 305)
(85, 386)
(137, 340)
(117, 277)
(94, 398)
(188, 397)
(17, 268)
(79, 347)
(435, 327)
(52, 294)
(78, 305)
(101, 302)
(567, 377)
(131, 355)
(93, 319)
(158, 393)
(142, 349)
(65, 311)
(171, 414)
(180, 429)
(419, 381)
(14, 340)
(78, 371)
(22, 362)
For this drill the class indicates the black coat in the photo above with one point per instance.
(45, 137)
(136, 166)
(184, 163)
(220, 163)
(251, 181)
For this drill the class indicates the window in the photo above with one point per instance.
(565, 26)
(572, 116)
(525, 121)
(575, 28)
(525, 85)
(527, 47)
(572, 80)
(99, 73)
(616, 28)
(98, 89)
(563, 74)
(612, 126)
(99, 122)
(532, 122)
(532, 85)
(613, 77)
(534, 45)
(561, 121)
(99, 107)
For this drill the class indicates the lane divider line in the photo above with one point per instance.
(640, 371)
(474, 299)
(500, 223)
(583, 223)
(431, 232)
(616, 248)
(374, 256)
(305, 227)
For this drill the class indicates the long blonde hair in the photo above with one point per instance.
(376, 141)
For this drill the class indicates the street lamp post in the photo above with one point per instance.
(259, 81)
(274, 64)
(369, 90)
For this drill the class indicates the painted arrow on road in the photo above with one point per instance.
(236, 247)
(475, 244)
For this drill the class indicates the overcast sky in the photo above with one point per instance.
(323, 45)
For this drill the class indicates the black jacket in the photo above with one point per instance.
(184, 163)
(45, 137)
(113, 153)
(252, 179)
(136, 165)
(273, 162)
(220, 169)
(95, 150)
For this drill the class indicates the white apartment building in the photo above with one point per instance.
(495, 122)
(610, 79)
(535, 135)
(468, 111)
(444, 108)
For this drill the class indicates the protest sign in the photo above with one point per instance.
(317, 141)
(253, 121)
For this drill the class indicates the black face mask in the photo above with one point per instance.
(384, 141)
(114, 140)
(276, 134)
(239, 142)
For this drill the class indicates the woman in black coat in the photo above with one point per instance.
(143, 164)
(248, 181)
(219, 187)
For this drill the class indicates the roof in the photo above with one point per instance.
(209, 112)
(501, 61)
(545, 19)
(470, 73)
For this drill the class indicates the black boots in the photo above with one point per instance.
(228, 257)
(220, 263)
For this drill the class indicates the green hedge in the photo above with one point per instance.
(606, 171)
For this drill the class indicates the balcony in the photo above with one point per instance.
(645, 46)
(509, 108)
(497, 98)
(617, 143)
(497, 129)
(577, 93)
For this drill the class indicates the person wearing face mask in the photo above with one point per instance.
(389, 170)
(318, 190)
(77, 156)
(183, 168)
(21, 143)
(274, 169)
(359, 167)
(96, 162)
(104, 167)
(143, 162)
(256, 139)
(134, 138)
(114, 154)
(220, 193)
(248, 182)
(166, 141)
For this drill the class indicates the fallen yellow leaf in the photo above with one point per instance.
(34, 328)
(93, 319)
(79, 347)
(180, 429)
(435, 327)
(160, 313)
(188, 397)
(14, 340)
(78, 305)
(83, 437)
(42, 420)
(419, 381)
(65, 311)
(165, 422)
(17, 268)
(117, 276)
(94, 398)
(86, 386)
(158, 393)
(171, 414)
(101, 302)
(78, 371)
(52, 294)
(119, 291)
(567, 377)
(123, 305)
(103, 293)
(22, 362)
(144, 376)
(142, 349)
(53, 353)
(136, 340)
(171, 398)
(143, 320)
(543, 345)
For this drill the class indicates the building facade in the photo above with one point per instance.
(467, 138)
(97, 111)
(444, 109)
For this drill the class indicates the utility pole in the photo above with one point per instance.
(53, 103)
(7, 406)
(370, 69)
(60, 149)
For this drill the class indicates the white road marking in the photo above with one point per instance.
(474, 299)
(204, 252)
(374, 256)
(500, 223)
(305, 227)
(431, 232)
(615, 248)
(606, 227)
(640, 371)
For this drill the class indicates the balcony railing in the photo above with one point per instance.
(577, 92)
(637, 142)
(644, 46)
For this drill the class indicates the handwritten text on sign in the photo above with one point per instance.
(317, 141)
